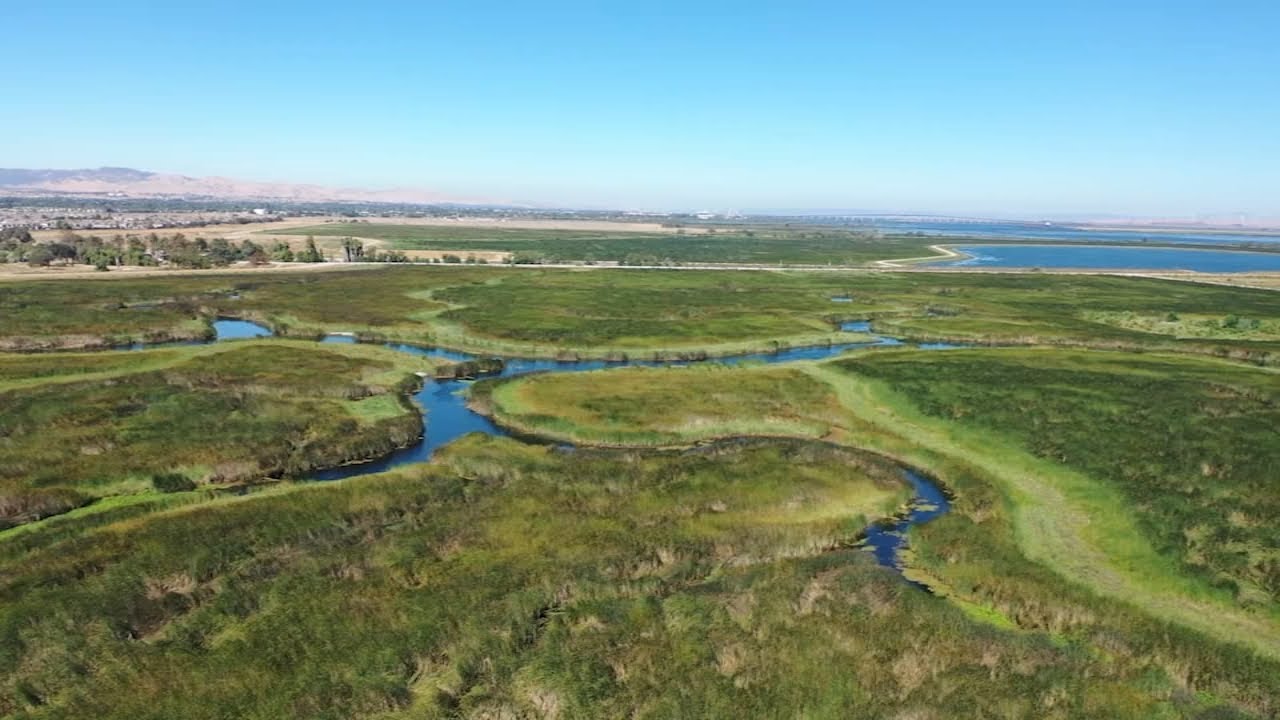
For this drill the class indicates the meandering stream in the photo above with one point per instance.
(446, 417)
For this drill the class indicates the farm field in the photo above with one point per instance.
(763, 246)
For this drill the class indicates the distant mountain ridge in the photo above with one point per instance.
(128, 182)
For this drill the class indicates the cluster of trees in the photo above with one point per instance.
(354, 251)
(17, 246)
(13, 242)
(176, 250)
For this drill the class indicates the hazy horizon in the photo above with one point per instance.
(1000, 110)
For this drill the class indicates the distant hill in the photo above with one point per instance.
(128, 182)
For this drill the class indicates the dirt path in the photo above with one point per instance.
(944, 253)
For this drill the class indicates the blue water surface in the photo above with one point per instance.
(1111, 257)
(228, 329)
(888, 540)
(1040, 231)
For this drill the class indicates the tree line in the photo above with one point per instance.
(165, 250)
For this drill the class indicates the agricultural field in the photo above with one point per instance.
(766, 245)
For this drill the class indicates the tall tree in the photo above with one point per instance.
(352, 249)
(311, 253)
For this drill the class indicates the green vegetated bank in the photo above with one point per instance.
(98, 314)
(1221, 325)
(34, 368)
(171, 420)
(1192, 443)
(663, 406)
(758, 246)
(604, 313)
(977, 555)
(509, 580)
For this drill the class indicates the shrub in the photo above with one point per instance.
(172, 482)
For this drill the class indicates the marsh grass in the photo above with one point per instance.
(508, 580)
(35, 368)
(1224, 326)
(1080, 528)
(1013, 509)
(586, 313)
(663, 406)
(1189, 443)
(219, 415)
(511, 580)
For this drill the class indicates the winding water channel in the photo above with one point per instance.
(446, 417)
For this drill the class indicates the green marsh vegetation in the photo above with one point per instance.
(508, 580)
(92, 426)
(519, 580)
(1192, 444)
(33, 368)
(638, 313)
(664, 406)
(1215, 619)
(1203, 325)
(601, 313)
(93, 315)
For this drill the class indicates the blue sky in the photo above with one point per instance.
(978, 108)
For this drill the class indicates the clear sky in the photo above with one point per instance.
(1037, 108)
